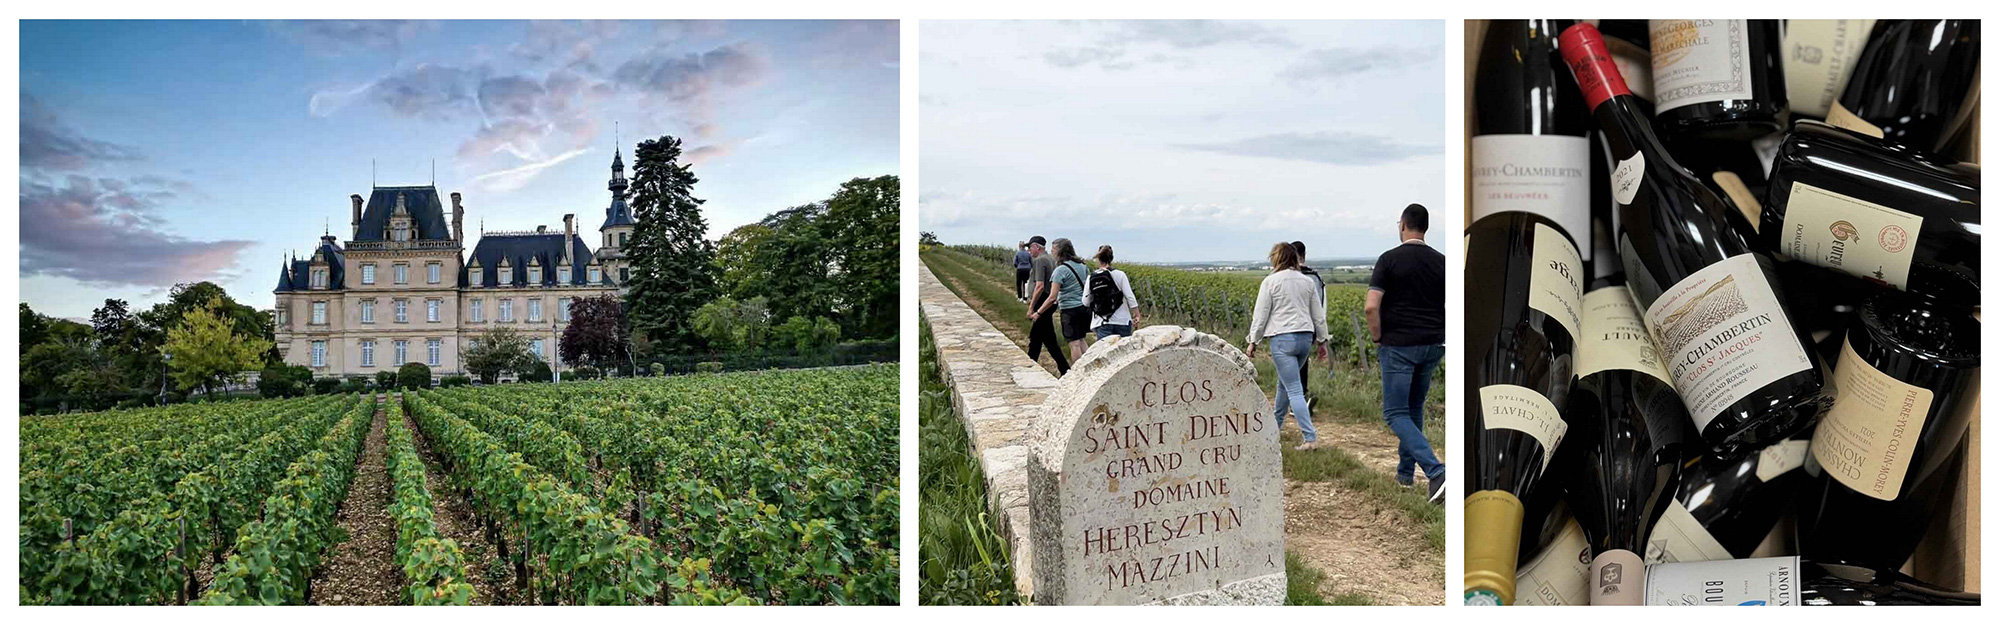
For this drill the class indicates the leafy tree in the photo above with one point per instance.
(807, 335)
(385, 380)
(499, 350)
(862, 225)
(742, 261)
(732, 325)
(34, 328)
(928, 239)
(672, 260)
(414, 375)
(537, 371)
(596, 333)
(206, 350)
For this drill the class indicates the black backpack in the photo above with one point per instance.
(1105, 296)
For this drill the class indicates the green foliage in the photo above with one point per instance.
(673, 262)
(454, 380)
(807, 335)
(731, 325)
(206, 349)
(657, 369)
(708, 367)
(275, 556)
(433, 568)
(284, 381)
(835, 258)
(962, 558)
(385, 380)
(413, 375)
(538, 371)
(326, 386)
(496, 352)
(353, 384)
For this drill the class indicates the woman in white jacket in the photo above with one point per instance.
(1125, 314)
(1291, 314)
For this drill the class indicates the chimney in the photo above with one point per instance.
(541, 229)
(356, 198)
(457, 217)
(569, 236)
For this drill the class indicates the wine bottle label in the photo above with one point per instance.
(1614, 337)
(1678, 537)
(1865, 440)
(1635, 64)
(1696, 61)
(1617, 577)
(1850, 235)
(1560, 574)
(1754, 581)
(1724, 335)
(1548, 175)
(1839, 116)
(1626, 178)
(1555, 285)
(1780, 459)
(1819, 57)
(1512, 407)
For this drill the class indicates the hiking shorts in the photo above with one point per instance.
(1075, 323)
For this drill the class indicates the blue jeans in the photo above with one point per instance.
(1287, 351)
(1406, 380)
(1108, 329)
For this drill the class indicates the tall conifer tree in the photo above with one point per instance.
(673, 262)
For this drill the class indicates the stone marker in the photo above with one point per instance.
(1154, 477)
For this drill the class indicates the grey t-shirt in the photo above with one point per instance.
(1044, 266)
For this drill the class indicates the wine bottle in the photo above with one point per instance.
(1819, 58)
(1723, 507)
(1631, 46)
(1530, 151)
(1915, 83)
(1822, 302)
(1523, 295)
(1790, 581)
(1718, 79)
(1883, 458)
(1897, 216)
(1559, 572)
(1711, 301)
(1628, 424)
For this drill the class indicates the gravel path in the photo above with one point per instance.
(492, 581)
(362, 569)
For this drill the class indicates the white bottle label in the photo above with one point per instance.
(1614, 337)
(1626, 178)
(1548, 175)
(1819, 58)
(1560, 574)
(1724, 336)
(1753, 581)
(1865, 440)
(1555, 285)
(1635, 64)
(1678, 537)
(1512, 407)
(1780, 459)
(1696, 61)
(1850, 235)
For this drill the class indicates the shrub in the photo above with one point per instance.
(385, 380)
(657, 369)
(326, 386)
(538, 372)
(454, 380)
(354, 384)
(414, 375)
(586, 373)
(708, 367)
(284, 381)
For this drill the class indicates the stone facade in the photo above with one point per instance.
(402, 288)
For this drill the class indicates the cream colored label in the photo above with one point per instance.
(1678, 537)
(1614, 337)
(1850, 235)
(1724, 336)
(1617, 577)
(1626, 178)
(1555, 285)
(1548, 175)
(1560, 574)
(1635, 65)
(1781, 458)
(1697, 61)
(1841, 117)
(1512, 407)
(1865, 441)
(1819, 57)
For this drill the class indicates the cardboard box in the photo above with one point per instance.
(1949, 554)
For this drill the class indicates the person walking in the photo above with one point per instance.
(1042, 328)
(1291, 313)
(1067, 281)
(1405, 311)
(1305, 367)
(1024, 261)
(1113, 308)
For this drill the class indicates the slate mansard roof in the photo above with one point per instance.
(517, 250)
(300, 276)
(426, 212)
(618, 214)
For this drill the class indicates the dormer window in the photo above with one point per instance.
(506, 275)
(534, 274)
(596, 275)
(319, 278)
(477, 275)
(562, 274)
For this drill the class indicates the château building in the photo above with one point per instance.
(402, 288)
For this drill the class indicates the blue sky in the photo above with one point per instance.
(154, 153)
(1181, 140)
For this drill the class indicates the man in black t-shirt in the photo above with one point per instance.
(1406, 319)
(1305, 364)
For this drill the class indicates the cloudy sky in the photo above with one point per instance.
(1180, 141)
(154, 153)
